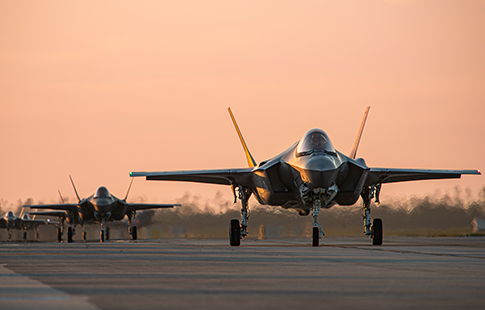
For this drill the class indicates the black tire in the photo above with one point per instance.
(24, 235)
(134, 235)
(235, 233)
(316, 236)
(377, 232)
(101, 236)
(84, 236)
(59, 235)
(69, 234)
(107, 233)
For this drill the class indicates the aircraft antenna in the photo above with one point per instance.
(72, 182)
(249, 157)
(129, 187)
(353, 153)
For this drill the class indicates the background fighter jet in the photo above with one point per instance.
(23, 222)
(308, 176)
(61, 216)
(99, 208)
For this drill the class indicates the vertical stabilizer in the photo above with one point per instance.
(353, 153)
(77, 195)
(249, 157)
(129, 187)
(60, 195)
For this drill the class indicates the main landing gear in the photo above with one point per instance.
(132, 229)
(70, 234)
(375, 231)
(236, 230)
(102, 233)
(317, 232)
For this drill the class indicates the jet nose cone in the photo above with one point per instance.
(320, 171)
(102, 206)
(320, 163)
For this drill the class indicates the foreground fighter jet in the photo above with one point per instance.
(99, 208)
(308, 176)
(23, 222)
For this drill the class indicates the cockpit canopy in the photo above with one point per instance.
(314, 140)
(10, 214)
(102, 192)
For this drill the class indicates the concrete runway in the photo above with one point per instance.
(404, 273)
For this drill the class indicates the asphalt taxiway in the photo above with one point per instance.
(343, 273)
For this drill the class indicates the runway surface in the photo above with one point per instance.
(404, 273)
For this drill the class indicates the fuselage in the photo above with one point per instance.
(301, 175)
(101, 207)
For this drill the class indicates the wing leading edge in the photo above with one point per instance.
(148, 206)
(390, 175)
(62, 206)
(220, 176)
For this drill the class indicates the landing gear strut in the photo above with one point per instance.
(375, 230)
(132, 229)
(60, 229)
(102, 234)
(317, 228)
(236, 231)
(69, 234)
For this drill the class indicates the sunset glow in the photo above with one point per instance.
(98, 89)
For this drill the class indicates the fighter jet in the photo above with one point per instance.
(99, 208)
(23, 222)
(61, 215)
(308, 176)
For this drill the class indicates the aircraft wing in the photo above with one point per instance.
(61, 213)
(220, 176)
(390, 175)
(61, 206)
(148, 206)
(36, 222)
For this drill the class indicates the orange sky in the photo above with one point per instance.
(97, 89)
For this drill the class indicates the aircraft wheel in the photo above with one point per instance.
(377, 232)
(316, 236)
(69, 234)
(107, 233)
(133, 233)
(235, 233)
(59, 235)
(84, 236)
(24, 235)
(101, 236)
